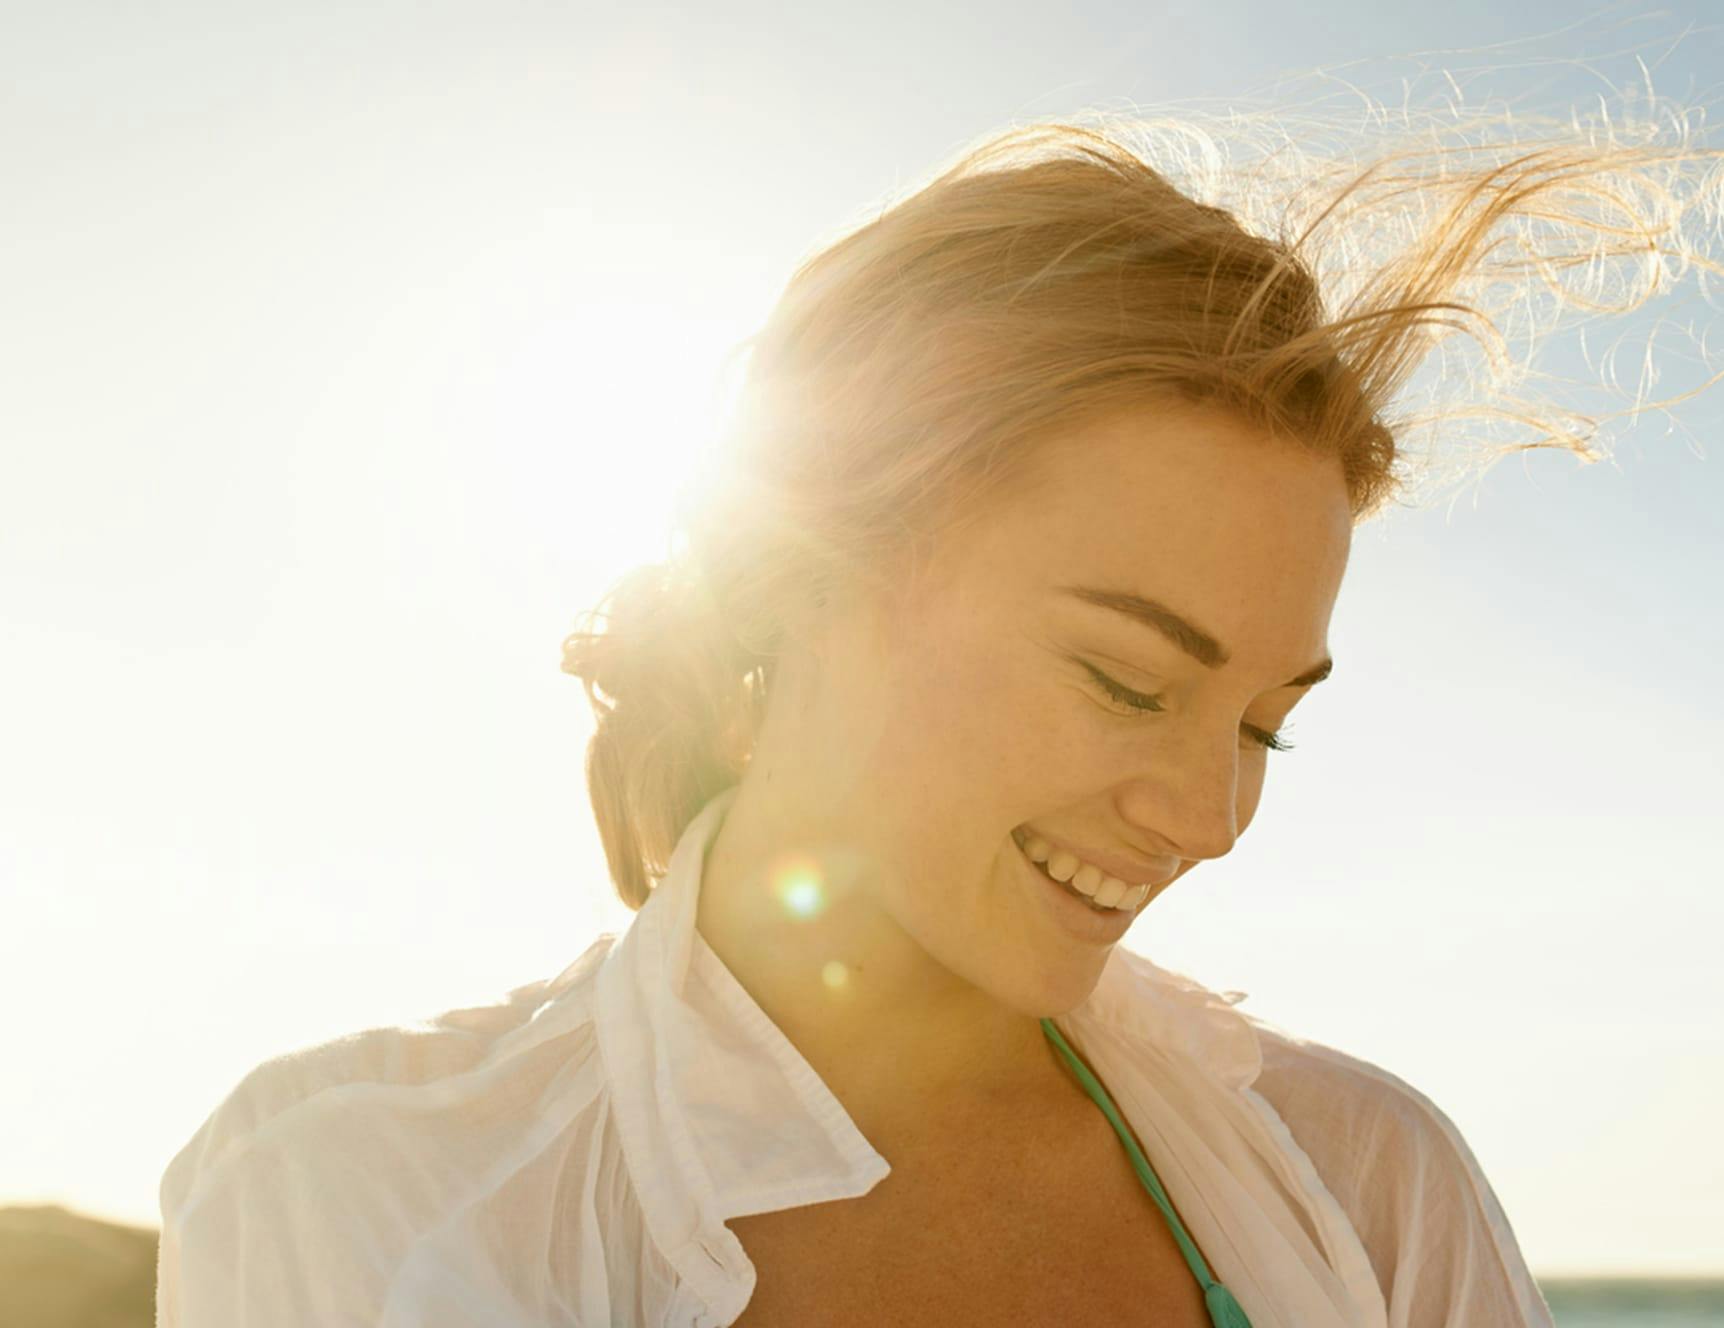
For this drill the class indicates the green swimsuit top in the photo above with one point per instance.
(1224, 1310)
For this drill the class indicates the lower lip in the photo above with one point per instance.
(1069, 909)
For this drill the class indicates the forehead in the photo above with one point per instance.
(1171, 499)
(1169, 457)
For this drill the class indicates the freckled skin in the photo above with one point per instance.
(903, 747)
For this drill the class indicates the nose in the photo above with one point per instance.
(1186, 802)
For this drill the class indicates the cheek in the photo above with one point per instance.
(967, 751)
(940, 731)
(959, 701)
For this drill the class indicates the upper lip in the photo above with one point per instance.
(1133, 871)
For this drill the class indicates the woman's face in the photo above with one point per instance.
(942, 728)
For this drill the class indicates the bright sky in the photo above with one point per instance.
(349, 351)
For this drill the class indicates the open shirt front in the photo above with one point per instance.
(568, 1155)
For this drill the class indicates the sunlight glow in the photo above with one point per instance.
(801, 889)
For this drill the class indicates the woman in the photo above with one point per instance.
(1039, 499)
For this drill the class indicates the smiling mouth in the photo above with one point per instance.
(1020, 837)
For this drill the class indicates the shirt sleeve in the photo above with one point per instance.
(302, 1194)
(208, 1166)
(1436, 1235)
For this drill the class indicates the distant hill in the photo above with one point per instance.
(60, 1269)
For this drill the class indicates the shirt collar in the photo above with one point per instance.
(720, 1116)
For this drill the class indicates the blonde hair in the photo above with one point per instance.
(1055, 271)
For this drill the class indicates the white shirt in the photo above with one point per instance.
(569, 1155)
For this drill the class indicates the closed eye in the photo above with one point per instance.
(1141, 704)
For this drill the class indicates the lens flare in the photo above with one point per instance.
(800, 889)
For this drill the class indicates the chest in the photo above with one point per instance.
(1032, 1235)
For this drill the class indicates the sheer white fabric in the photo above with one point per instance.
(569, 1155)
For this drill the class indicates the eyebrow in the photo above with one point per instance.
(1194, 641)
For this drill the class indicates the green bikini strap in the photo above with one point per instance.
(1224, 1310)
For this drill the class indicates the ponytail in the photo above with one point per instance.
(677, 698)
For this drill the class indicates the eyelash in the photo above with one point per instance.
(1147, 704)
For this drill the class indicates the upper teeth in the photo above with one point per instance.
(1062, 865)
